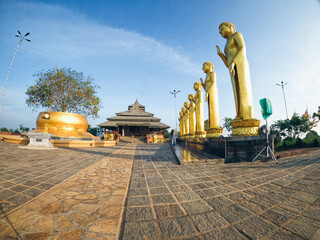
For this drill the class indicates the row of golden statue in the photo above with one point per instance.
(191, 121)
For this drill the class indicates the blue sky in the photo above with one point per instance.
(144, 49)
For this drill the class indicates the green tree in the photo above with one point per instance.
(23, 129)
(95, 131)
(227, 124)
(64, 90)
(294, 127)
(166, 133)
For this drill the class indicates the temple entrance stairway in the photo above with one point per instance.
(137, 140)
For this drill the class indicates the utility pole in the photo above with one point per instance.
(5, 84)
(284, 96)
(174, 93)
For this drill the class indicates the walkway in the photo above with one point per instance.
(222, 201)
(161, 199)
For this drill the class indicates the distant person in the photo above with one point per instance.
(173, 138)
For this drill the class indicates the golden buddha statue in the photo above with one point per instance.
(63, 125)
(210, 86)
(181, 124)
(186, 118)
(200, 133)
(191, 115)
(236, 61)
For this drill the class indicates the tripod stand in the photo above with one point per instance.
(269, 150)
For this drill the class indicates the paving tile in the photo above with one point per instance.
(304, 227)
(141, 230)
(285, 236)
(195, 207)
(312, 212)
(138, 191)
(206, 193)
(238, 197)
(186, 196)
(255, 228)
(278, 216)
(31, 183)
(208, 221)
(162, 199)
(138, 201)
(19, 199)
(165, 211)
(18, 188)
(198, 186)
(44, 186)
(179, 188)
(234, 213)
(5, 194)
(218, 202)
(6, 184)
(176, 227)
(159, 191)
(229, 233)
(138, 213)
(305, 197)
(293, 205)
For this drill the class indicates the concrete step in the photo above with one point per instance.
(137, 140)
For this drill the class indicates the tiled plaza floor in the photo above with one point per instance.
(259, 200)
(222, 201)
(24, 174)
(88, 205)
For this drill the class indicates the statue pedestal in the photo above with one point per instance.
(192, 135)
(245, 127)
(200, 134)
(39, 141)
(214, 132)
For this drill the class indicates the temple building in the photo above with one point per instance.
(134, 122)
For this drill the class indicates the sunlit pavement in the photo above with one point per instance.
(85, 194)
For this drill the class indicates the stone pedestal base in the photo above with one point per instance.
(214, 132)
(192, 135)
(200, 134)
(39, 141)
(245, 127)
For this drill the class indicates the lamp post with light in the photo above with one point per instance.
(174, 93)
(5, 84)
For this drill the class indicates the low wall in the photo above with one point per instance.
(60, 142)
(232, 149)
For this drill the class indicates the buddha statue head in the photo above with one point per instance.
(190, 97)
(207, 67)
(226, 29)
(197, 86)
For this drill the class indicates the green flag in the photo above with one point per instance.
(266, 107)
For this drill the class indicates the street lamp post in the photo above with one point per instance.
(5, 84)
(174, 93)
(284, 96)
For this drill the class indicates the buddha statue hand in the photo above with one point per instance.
(218, 50)
(203, 85)
(231, 68)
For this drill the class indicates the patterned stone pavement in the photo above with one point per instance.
(25, 174)
(222, 201)
(259, 200)
(89, 205)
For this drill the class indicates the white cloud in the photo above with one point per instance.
(59, 33)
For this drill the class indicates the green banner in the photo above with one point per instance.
(266, 107)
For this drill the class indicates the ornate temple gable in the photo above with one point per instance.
(137, 105)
